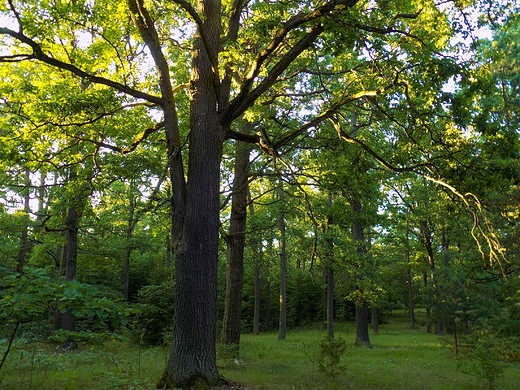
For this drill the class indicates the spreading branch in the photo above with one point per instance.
(246, 97)
(38, 54)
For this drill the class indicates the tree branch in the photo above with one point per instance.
(237, 106)
(246, 98)
(344, 136)
(38, 54)
(320, 118)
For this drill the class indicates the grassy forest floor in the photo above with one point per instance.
(400, 359)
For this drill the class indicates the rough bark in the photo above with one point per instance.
(192, 360)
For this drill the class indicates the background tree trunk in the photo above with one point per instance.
(256, 310)
(362, 336)
(282, 330)
(129, 233)
(235, 250)
(329, 275)
(267, 324)
(409, 281)
(68, 322)
(24, 246)
(375, 319)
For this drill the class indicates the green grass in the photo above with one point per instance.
(400, 359)
(116, 366)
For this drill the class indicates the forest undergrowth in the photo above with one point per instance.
(400, 358)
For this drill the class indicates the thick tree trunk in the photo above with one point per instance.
(235, 250)
(192, 360)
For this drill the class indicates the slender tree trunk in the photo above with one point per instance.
(282, 330)
(168, 254)
(375, 319)
(68, 322)
(129, 234)
(429, 326)
(411, 305)
(427, 237)
(330, 302)
(235, 250)
(257, 277)
(24, 246)
(256, 311)
(329, 275)
(409, 282)
(362, 336)
(267, 324)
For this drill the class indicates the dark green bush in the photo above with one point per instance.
(155, 319)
